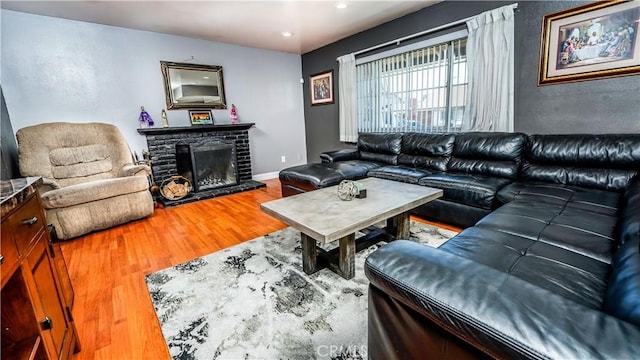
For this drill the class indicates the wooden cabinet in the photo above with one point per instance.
(36, 313)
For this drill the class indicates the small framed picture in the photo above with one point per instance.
(200, 117)
(322, 88)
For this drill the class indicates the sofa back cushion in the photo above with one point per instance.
(429, 151)
(623, 293)
(604, 162)
(380, 147)
(493, 154)
(628, 227)
(79, 161)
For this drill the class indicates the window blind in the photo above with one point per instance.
(421, 90)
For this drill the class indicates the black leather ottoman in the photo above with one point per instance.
(303, 178)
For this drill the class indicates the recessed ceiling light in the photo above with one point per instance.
(286, 34)
(342, 5)
(205, 77)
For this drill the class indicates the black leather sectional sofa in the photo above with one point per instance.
(547, 267)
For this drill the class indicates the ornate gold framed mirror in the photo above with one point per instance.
(193, 86)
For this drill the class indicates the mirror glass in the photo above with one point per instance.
(193, 86)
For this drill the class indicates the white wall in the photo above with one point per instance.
(61, 70)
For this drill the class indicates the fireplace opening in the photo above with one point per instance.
(207, 166)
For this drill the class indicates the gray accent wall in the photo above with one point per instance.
(596, 106)
(63, 70)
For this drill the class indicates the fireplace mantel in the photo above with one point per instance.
(195, 128)
(162, 142)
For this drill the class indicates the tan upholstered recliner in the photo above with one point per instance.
(90, 181)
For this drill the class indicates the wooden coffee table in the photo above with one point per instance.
(321, 217)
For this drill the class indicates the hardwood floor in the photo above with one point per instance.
(113, 311)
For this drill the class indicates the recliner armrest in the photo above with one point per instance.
(93, 191)
(340, 155)
(495, 312)
(48, 185)
(135, 170)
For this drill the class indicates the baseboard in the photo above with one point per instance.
(266, 176)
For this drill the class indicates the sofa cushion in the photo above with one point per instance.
(449, 212)
(600, 201)
(93, 191)
(495, 154)
(430, 151)
(583, 232)
(80, 161)
(605, 162)
(339, 155)
(566, 273)
(380, 147)
(83, 170)
(78, 154)
(475, 190)
(381, 143)
(402, 173)
(623, 293)
(380, 158)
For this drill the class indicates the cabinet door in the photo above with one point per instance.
(61, 266)
(48, 303)
(8, 253)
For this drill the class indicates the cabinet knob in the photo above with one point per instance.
(30, 222)
(1, 259)
(47, 323)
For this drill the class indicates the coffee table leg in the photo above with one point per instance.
(400, 224)
(346, 262)
(309, 254)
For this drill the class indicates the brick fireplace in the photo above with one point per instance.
(162, 143)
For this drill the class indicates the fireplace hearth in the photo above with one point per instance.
(211, 143)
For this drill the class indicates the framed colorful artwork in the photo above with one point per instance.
(593, 41)
(322, 88)
(200, 117)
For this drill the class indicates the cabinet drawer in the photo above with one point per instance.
(26, 223)
(8, 251)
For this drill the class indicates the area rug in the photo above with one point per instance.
(253, 301)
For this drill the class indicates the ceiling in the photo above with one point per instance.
(250, 23)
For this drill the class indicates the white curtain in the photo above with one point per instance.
(347, 98)
(489, 103)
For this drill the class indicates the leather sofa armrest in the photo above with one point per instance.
(135, 170)
(500, 314)
(339, 155)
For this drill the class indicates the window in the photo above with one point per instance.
(421, 90)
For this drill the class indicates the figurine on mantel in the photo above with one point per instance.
(234, 114)
(165, 122)
(145, 119)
